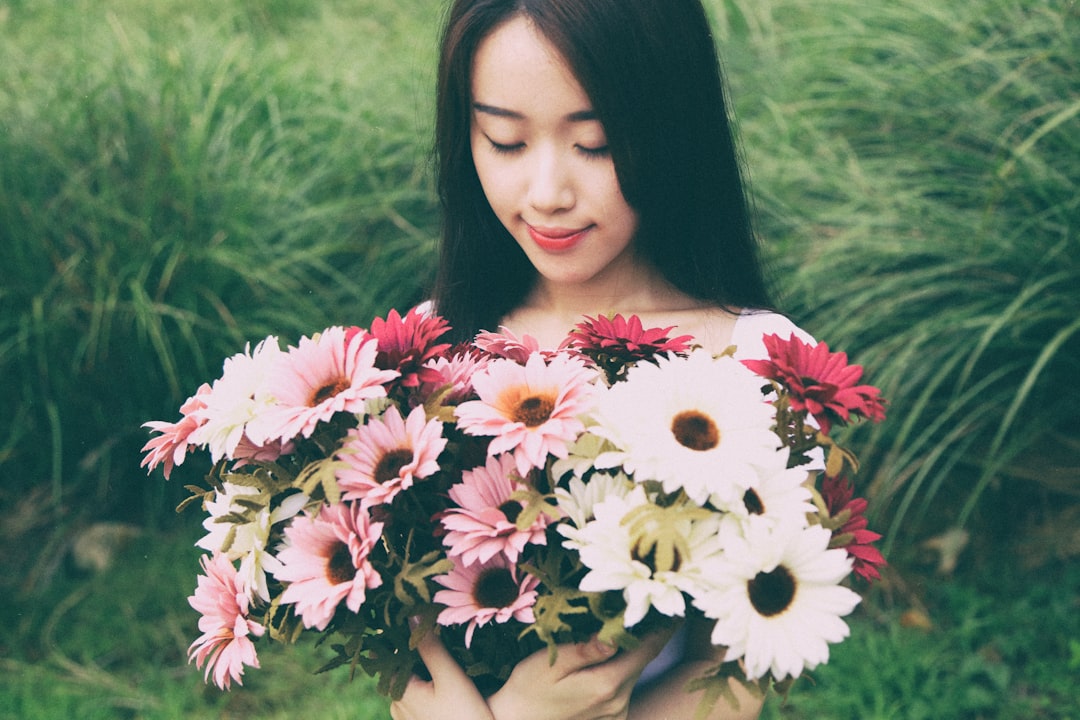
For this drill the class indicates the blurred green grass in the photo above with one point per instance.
(919, 173)
(113, 644)
(177, 179)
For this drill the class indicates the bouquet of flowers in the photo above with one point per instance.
(375, 485)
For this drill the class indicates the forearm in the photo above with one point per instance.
(668, 699)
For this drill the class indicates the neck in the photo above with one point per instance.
(551, 310)
(642, 292)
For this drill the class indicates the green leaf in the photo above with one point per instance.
(715, 684)
(660, 533)
(613, 630)
(411, 581)
(198, 494)
(319, 479)
(281, 623)
(434, 407)
(388, 657)
(533, 504)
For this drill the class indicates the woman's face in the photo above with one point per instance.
(542, 159)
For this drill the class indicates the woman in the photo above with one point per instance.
(586, 165)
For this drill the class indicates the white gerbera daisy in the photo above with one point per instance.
(777, 495)
(778, 601)
(651, 554)
(246, 542)
(236, 398)
(695, 423)
(579, 498)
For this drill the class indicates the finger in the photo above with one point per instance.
(417, 691)
(572, 658)
(654, 642)
(437, 658)
(630, 663)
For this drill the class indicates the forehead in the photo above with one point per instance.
(516, 64)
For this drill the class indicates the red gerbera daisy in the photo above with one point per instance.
(626, 336)
(406, 343)
(818, 381)
(614, 342)
(852, 535)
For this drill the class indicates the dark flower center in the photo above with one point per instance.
(390, 465)
(511, 509)
(695, 430)
(340, 568)
(329, 390)
(753, 502)
(495, 588)
(771, 593)
(534, 410)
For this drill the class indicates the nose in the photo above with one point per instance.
(551, 187)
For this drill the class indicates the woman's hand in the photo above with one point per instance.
(588, 681)
(450, 693)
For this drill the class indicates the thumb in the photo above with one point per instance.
(579, 656)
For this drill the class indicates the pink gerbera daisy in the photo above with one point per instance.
(170, 447)
(505, 344)
(852, 535)
(532, 410)
(407, 343)
(247, 452)
(225, 645)
(319, 377)
(479, 593)
(385, 455)
(484, 523)
(326, 560)
(819, 382)
(455, 370)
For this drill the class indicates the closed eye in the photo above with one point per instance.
(602, 151)
(505, 148)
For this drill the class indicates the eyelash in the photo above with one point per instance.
(598, 152)
(502, 149)
(592, 153)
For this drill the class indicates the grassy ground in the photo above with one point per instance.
(179, 178)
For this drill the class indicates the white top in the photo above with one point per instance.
(753, 325)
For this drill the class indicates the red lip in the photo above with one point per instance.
(554, 239)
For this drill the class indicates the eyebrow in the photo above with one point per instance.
(579, 116)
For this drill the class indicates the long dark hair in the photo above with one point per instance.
(651, 71)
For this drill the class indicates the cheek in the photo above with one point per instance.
(615, 204)
(494, 190)
(497, 185)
